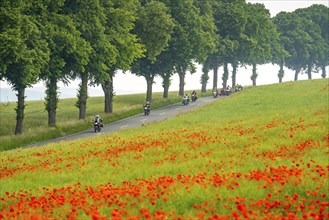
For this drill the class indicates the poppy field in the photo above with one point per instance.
(259, 154)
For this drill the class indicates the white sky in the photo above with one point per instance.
(276, 6)
(124, 83)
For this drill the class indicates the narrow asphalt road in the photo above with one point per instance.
(134, 121)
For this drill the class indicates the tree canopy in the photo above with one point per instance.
(153, 27)
(91, 40)
(23, 50)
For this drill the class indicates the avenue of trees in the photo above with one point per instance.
(90, 40)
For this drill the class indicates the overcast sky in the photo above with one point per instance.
(128, 83)
(276, 6)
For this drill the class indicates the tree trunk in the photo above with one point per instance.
(181, 73)
(281, 72)
(107, 87)
(225, 75)
(309, 71)
(323, 71)
(215, 82)
(51, 100)
(149, 81)
(20, 110)
(82, 96)
(254, 74)
(296, 74)
(166, 84)
(204, 81)
(235, 67)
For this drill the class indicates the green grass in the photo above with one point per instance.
(35, 127)
(267, 140)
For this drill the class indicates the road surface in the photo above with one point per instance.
(134, 121)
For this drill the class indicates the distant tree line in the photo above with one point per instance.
(90, 40)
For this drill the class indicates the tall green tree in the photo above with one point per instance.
(319, 52)
(192, 38)
(206, 12)
(89, 17)
(23, 51)
(153, 27)
(295, 40)
(259, 33)
(120, 20)
(279, 54)
(230, 20)
(68, 51)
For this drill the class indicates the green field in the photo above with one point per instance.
(259, 154)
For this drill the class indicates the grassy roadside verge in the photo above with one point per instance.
(35, 121)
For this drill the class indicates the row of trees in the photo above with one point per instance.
(91, 40)
(297, 40)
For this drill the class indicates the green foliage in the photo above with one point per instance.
(62, 40)
(230, 20)
(154, 27)
(260, 32)
(318, 14)
(204, 77)
(23, 51)
(289, 26)
(301, 38)
(192, 38)
(120, 21)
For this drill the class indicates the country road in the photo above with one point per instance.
(134, 121)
